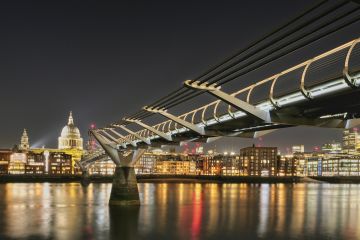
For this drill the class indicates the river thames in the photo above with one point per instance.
(181, 211)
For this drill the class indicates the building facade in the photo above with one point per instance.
(230, 165)
(286, 165)
(298, 149)
(60, 163)
(351, 141)
(4, 160)
(103, 168)
(147, 163)
(258, 161)
(175, 167)
(35, 163)
(17, 163)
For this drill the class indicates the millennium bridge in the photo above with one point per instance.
(322, 91)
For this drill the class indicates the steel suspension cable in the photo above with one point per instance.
(262, 63)
(353, 20)
(184, 94)
(311, 40)
(257, 51)
(305, 12)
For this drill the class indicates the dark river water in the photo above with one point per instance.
(181, 211)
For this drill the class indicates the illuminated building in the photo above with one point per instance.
(60, 163)
(24, 143)
(314, 163)
(230, 164)
(44, 160)
(4, 160)
(48, 152)
(35, 163)
(70, 137)
(146, 163)
(351, 141)
(298, 149)
(199, 162)
(175, 167)
(258, 161)
(333, 147)
(212, 165)
(102, 168)
(287, 165)
(17, 163)
(328, 164)
(70, 142)
(301, 162)
(174, 164)
(340, 165)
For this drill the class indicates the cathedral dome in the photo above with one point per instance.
(70, 132)
(70, 136)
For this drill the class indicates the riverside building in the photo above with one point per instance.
(35, 163)
(25, 160)
(351, 141)
(70, 143)
(104, 168)
(4, 160)
(258, 161)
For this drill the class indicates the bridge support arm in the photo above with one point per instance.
(112, 138)
(193, 127)
(122, 137)
(110, 149)
(145, 140)
(231, 100)
(151, 129)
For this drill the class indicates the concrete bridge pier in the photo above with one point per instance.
(124, 188)
(85, 179)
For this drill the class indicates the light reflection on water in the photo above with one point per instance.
(181, 211)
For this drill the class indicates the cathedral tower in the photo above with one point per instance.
(24, 143)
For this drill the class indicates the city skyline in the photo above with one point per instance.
(131, 119)
(234, 145)
(67, 60)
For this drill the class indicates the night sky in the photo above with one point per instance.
(104, 60)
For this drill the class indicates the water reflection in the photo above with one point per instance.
(181, 211)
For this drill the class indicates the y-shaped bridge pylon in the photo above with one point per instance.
(124, 187)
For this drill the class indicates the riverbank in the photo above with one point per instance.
(149, 178)
(177, 179)
(349, 179)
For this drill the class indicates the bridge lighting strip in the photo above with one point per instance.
(294, 97)
(329, 88)
(334, 115)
